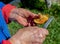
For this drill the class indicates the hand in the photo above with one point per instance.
(20, 15)
(29, 35)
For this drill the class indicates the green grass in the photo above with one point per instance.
(53, 28)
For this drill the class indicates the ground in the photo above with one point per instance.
(53, 28)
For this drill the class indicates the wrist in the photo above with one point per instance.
(11, 41)
(14, 41)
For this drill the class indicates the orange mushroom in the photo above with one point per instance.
(41, 20)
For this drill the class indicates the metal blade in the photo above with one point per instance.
(48, 22)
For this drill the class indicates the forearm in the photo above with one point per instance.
(14, 40)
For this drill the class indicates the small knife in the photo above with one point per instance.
(48, 22)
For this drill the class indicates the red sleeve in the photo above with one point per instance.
(6, 11)
(5, 42)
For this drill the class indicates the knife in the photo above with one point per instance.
(48, 22)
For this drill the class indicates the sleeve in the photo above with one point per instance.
(4, 32)
(6, 11)
(1, 5)
(6, 42)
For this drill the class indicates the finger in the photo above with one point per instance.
(26, 12)
(22, 12)
(31, 14)
(21, 20)
(44, 31)
(29, 24)
(40, 38)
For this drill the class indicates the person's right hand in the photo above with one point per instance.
(21, 15)
(29, 35)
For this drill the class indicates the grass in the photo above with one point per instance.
(53, 28)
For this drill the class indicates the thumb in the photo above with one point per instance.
(21, 20)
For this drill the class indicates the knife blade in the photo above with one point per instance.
(48, 22)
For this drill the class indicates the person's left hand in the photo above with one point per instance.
(20, 15)
(29, 35)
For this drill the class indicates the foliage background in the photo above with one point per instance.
(53, 28)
